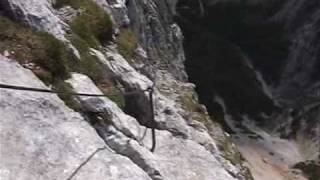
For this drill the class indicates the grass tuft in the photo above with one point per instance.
(88, 65)
(68, 99)
(127, 43)
(49, 58)
(44, 55)
(93, 24)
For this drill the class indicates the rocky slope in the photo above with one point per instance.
(109, 47)
(254, 65)
(262, 58)
(43, 139)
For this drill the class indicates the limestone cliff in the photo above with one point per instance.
(263, 62)
(229, 89)
(103, 47)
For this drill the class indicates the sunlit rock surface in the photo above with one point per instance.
(173, 156)
(41, 138)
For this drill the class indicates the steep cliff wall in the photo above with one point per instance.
(263, 62)
(109, 47)
(254, 63)
(299, 87)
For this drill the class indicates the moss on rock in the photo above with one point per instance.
(88, 64)
(127, 43)
(310, 168)
(93, 24)
(39, 51)
(189, 100)
(51, 60)
(66, 96)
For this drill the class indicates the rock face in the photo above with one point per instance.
(239, 41)
(127, 137)
(38, 14)
(61, 140)
(299, 87)
(41, 138)
(303, 33)
(120, 12)
(263, 62)
(153, 24)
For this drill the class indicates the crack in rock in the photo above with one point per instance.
(85, 162)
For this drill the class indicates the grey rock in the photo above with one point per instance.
(67, 13)
(124, 123)
(41, 138)
(152, 22)
(171, 159)
(39, 14)
(120, 12)
(169, 115)
(174, 158)
(130, 79)
(108, 165)
(185, 150)
(6, 53)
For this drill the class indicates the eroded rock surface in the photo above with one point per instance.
(38, 14)
(104, 141)
(41, 138)
(174, 157)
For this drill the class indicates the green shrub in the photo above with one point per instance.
(30, 46)
(310, 168)
(91, 66)
(93, 24)
(53, 61)
(189, 102)
(127, 43)
(55, 56)
(44, 76)
(88, 64)
(67, 96)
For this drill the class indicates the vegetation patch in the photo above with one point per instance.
(88, 64)
(310, 168)
(230, 152)
(93, 24)
(50, 60)
(127, 43)
(91, 66)
(67, 96)
(189, 102)
(39, 51)
(90, 29)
